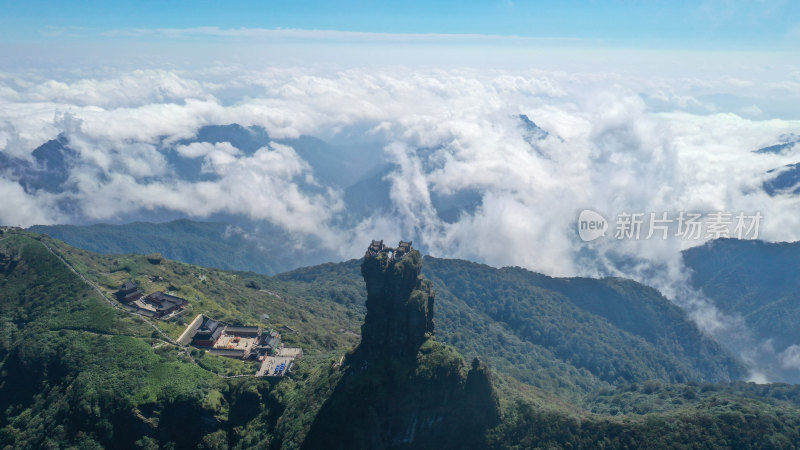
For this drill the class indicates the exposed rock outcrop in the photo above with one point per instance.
(399, 305)
(400, 388)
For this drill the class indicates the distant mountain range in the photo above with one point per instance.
(785, 180)
(358, 170)
(258, 248)
(564, 335)
(49, 169)
(787, 142)
(753, 278)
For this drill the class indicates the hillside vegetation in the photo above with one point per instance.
(567, 336)
(76, 371)
(756, 282)
(755, 279)
(262, 248)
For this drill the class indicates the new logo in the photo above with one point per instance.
(591, 225)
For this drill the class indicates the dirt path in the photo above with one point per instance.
(166, 338)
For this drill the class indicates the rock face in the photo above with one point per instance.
(399, 305)
(400, 388)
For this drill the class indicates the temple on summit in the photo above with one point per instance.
(378, 249)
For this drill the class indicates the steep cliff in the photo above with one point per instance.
(399, 305)
(400, 388)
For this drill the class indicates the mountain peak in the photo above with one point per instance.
(404, 389)
(399, 301)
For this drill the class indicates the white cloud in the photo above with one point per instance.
(617, 155)
(130, 89)
(790, 358)
(635, 143)
(20, 209)
(197, 149)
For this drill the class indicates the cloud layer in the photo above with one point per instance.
(622, 150)
(618, 142)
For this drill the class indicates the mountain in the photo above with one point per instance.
(248, 140)
(372, 192)
(386, 397)
(786, 143)
(757, 281)
(621, 331)
(47, 170)
(564, 335)
(530, 131)
(76, 371)
(358, 168)
(353, 168)
(785, 181)
(400, 387)
(334, 165)
(258, 248)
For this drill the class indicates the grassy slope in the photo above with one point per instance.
(234, 297)
(76, 371)
(72, 365)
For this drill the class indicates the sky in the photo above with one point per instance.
(765, 25)
(651, 106)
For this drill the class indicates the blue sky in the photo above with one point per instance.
(759, 25)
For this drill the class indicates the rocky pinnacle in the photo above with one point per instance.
(399, 301)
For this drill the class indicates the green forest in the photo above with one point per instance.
(573, 363)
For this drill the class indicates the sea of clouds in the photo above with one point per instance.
(620, 150)
(635, 142)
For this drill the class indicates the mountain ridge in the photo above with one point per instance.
(75, 373)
